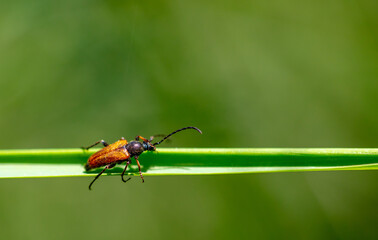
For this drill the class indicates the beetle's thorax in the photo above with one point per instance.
(135, 148)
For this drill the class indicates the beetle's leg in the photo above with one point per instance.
(140, 137)
(124, 170)
(98, 175)
(101, 141)
(140, 172)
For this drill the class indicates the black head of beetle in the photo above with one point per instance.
(148, 146)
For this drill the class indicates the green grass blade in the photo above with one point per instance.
(179, 161)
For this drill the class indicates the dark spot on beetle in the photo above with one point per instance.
(135, 148)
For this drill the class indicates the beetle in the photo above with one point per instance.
(122, 151)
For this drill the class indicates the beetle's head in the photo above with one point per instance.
(148, 146)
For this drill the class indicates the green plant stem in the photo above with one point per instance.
(179, 161)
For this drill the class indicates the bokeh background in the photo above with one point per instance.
(248, 73)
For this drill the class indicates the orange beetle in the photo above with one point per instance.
(122, 151)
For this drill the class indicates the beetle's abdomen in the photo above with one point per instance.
(102, 159)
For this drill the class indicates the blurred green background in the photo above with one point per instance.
(248, 73)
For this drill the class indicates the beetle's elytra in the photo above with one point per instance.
(122, 151)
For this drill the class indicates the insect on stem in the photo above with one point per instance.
(122, 151)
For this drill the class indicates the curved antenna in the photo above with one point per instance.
(179, 130)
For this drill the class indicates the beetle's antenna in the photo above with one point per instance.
(179, 130)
